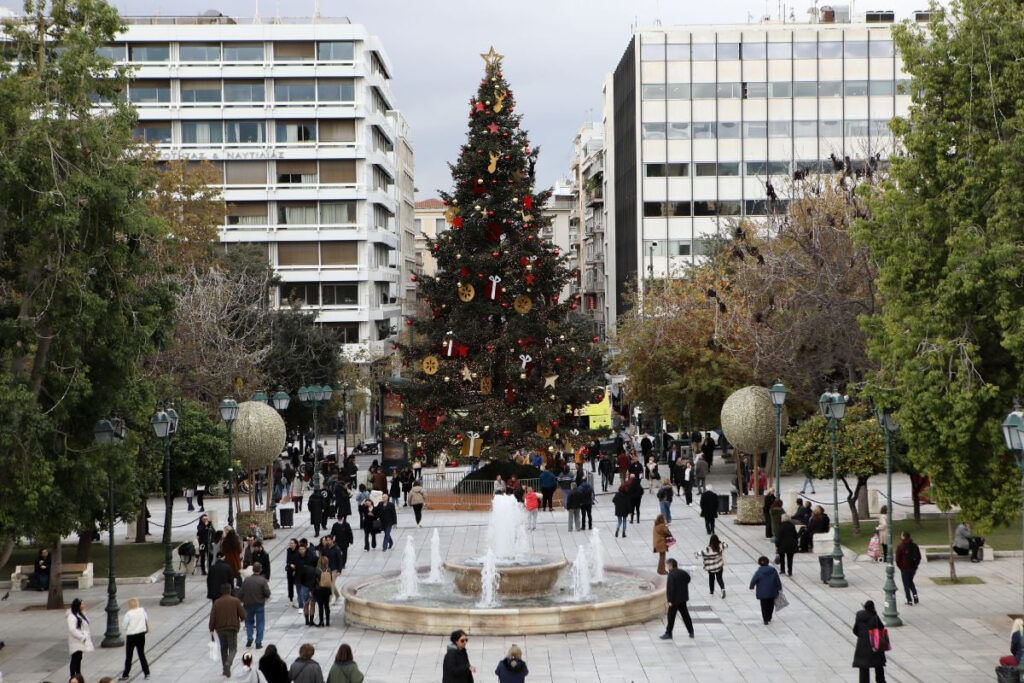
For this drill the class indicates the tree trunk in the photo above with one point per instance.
(84, 548)
(140, 523)
(862, 502)
(55, 597)
(739, 477)
(6, 550)
(916, 482)
(851, 501)
(949, 532)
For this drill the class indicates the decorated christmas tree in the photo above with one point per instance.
(499, 359)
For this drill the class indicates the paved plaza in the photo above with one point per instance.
(956, 634)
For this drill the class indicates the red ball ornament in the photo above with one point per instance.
(557, 252)
(524, 261)
(496, 254)
(458, 436)
(504, 304)
(413, 277)
(505, 433)
(529, 238)
(479, 276)
(490, 347)
(574, 306)
(437, 247)
(464, 272)
(558, 360)
(554, 423)
(394, 346)
(595, 340)
(408, 322)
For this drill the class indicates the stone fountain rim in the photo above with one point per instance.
(459, 564)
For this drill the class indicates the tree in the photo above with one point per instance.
(860, 452)
(945, 232)
(77, 314)
(500, 354)
(200, 447)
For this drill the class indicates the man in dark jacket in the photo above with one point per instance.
(585, 498)
(456, 667)
(785, 544)
(333, 555)
(709, 509)
(226, 616)
(594, 453)
(316, 512)
(388, 516)
(908, 558)
(677, 590)
(606, 466)
(263, 557)
(548, 484)
(255, 593)
(636, 494)
(204, 536)
(220, 573)
(342, 533)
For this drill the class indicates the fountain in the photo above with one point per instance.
(508, 590)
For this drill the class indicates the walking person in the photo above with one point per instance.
(606, 466)
(532, 504)
(79, 636)
(308, 577)
(665, 500)
(273, 667)
(636, 495)
(1016, 636)
(316, 512)
(226, 617)
(785, 544)
(700, 474)
(908, 559)
(305, 669)
(714, 563)
(220, 573)
(250, 674)
(417, 499)
(299, 487)
(388, 516)
(135, 626)
(766, 585)
(808, 481)
(651, 473)
(334, 563)
(766, 510)
(709, 509)
(585, 498)
(255, 593)
(623, 505)
(662, 541)
(511, 669)
(686, 477)
(204, 541)
(344, 669)
(369, 523)
(548, 484)
(456, 667)
(322, 591)
(865, 657)
(572, 507)
(291, 561)
(677, 591)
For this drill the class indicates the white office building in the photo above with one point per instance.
(703, 124)
(299, 118)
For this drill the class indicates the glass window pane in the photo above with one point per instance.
(337, 212)
(148, 92)
(805, 129)
(857, 127)
(678, 91)
(705, 169)
(246, 172)
(880, 128)
(245, 131)
(149, 53)
(703, 91)
(201, 132)
(805, 89)
(293, 51)
(730, 90)
(199, 52)
(728, 51)
(830, 128)
(337, 130)
(679, 208)
(755, 90)
(297, 254)
(341, 50)
(704, 208)
(805, 50)
(755, 168)
(294, 91)
(755, 129)
(855, 88)
(778, 168)
(655, 209)
(243, 91)
(780, 89)
(729, 130)
(677, 52)
(880, 48)
(856, 49)
(780, 129)
(200, 91)
(830, 88)
(652, 52)
(780, 50)
(703, 52)
(754, 50)
(339, 253)
(297, 213)
(115, 53)
(678, 130)
(243, 52)
(338, 171)
(296, 131)
(729, 168)
(654, 131)
(704, 130)
(653, 92)
(336, 90)
(654, 170)
(880, 87)
(156, 132)
(830, 49)
(677, 170)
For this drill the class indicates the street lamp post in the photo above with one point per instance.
(229, 413)
(890, 614)
(833, 407)
(313, 396)
(778, 394)
(280, 402)
(165, 424)
(107, 432)
(1013, 435)
(344, 424)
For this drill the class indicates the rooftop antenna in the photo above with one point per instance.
(316, 12)
(277, 11)
(256, 17)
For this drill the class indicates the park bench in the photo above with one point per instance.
(78, 574)
(932, 553)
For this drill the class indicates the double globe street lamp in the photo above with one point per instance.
(1013, 435)
(890, 614)
(165, 424)
(314, 396)
(778, 395)
(111, 432)
(229, 413)
(833, 407)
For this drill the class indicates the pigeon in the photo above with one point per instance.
(6, 595)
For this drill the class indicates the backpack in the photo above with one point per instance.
(914, 555)
(325, 580)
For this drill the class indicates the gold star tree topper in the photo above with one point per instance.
(492, 60)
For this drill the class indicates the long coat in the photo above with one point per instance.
(863, 656)
(660, 533)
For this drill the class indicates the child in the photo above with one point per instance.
(875, 548)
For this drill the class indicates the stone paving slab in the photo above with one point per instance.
(956, 633)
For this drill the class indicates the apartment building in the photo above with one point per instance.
(299, 119)
(705, 125)
(430, 223)
(587, 217)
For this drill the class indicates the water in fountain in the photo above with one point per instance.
(596, 557)
(581, 576)
(435, 559)
(489, 579)
(506, 530)
(408, 581)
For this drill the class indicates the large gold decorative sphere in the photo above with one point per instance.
(257, 436)
(748, 420)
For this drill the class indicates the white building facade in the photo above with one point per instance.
(298, 118)
(704, 124)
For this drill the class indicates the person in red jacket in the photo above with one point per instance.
(623, 464)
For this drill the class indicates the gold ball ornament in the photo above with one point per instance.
(431, 365)
(486, 385)
(544, 430)
(466, 292)
(522, 304)
(748, 420)
(258, 435)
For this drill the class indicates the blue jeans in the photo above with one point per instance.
(807, 481)
(304, 595)
(620, 524)
(666, 509)
(387, 543)
(254, 613)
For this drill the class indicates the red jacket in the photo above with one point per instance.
(623, 462)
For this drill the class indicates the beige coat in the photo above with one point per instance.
(416, 496)
(660, 533)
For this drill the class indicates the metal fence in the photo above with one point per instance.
(450, 490)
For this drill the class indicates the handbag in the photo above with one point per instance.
(879, 639)
(670, 541)
(781, 601)
(213, 651)
(378, 525)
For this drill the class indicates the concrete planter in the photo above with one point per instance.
(750, 510)
(263, 518)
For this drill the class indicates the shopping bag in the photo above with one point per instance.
(879, 639)
(214, 651)
(781, 601)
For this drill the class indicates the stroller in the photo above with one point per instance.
(187, 556)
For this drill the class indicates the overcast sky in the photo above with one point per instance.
(557, 53)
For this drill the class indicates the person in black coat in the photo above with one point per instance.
(307, 573)
(785, 544)
(707, 450)
(342, 500)
(315, 506)
(342, 533)
(220, 573)
(636, 494)
(456, 667)
(204, 538)
(864, 658)
(291, 564)
(623, 505)
(367, 517)
(263, 557)
(769, 498)
(677, 592)
(388, 516)
(709, 508)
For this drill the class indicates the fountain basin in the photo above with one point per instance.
(628, 597)
(528, 577)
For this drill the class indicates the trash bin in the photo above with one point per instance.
(734, 497)
(723, 504)
(287, 516)
(179, 586)
(1007, 674)
(825, 564)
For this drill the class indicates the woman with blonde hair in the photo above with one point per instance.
(1016, 634)
(512, 669)
(135, 626)
(662, 541)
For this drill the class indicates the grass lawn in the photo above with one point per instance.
(132, 559)
(932, 532)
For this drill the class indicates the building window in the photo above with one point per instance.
(346, 333)
(717, 208)
(728, 91)
(296, 131)
(780, 51)
(336, 51)
(653, 92)
(339, 253)
(247, 213)
(337, 130)
(296, 213)
(672, 170)
(805, 129)
(754, 50)
(199, 52)
(830, 128)
(653, 131)
(830, 88)
(678, 130)
(244, 91)
(302, 293)
(201, 132)
(337, 213)
(805, 89)
(243, 52)
(341, 294)
(296, 172)
(381, 142)
(336, 90)
(805, 50)
(245, 131)
(677, 52)
(704, 130)
(780, 129)
(855, 49)
(200, 91)
(880, 48)
(293, 52)
(298, 254)
(728, 51)
(704, 91)
(149, 92)
(294, 91)
(780, 89)
(156, 132)
(704, 52)
(338, 171)
(246, 173)
(855, 88)
(755, 129)
(728, 130)
(830, 49)
(856, 127)
(677, 91)
(115, 53)
(149, 53)
(767, 168)
(879, 128)
(880, 88)
(755, 90)
(652, 52)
